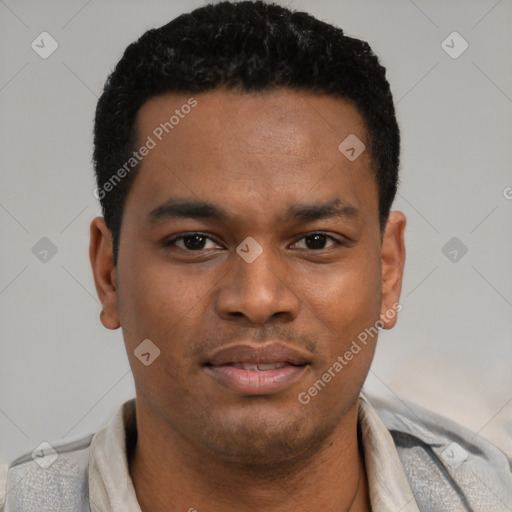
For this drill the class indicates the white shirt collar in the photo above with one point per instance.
(389, 488)
(111, 487)
(110, 484)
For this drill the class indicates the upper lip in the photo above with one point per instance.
(270, 353)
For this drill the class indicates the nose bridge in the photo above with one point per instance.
(261, 274)
(255, 287)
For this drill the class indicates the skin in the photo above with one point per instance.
(200, 445)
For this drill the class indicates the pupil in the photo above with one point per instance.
(197, 241)
(318, 241)
(194, 241)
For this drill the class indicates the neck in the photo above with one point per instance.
(170, 474)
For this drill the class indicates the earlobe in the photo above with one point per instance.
(109, 321)
(392, 262)
(104, 272)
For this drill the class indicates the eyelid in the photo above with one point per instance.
(171, 241)
(312, 233)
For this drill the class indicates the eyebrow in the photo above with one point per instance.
(332, 209)
(202, 210)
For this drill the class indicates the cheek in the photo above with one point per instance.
(160, 305)
(345, 310)
(156, 299)
(344, 299)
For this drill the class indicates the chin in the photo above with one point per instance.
(263, 441)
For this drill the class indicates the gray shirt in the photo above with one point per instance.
(415, 461)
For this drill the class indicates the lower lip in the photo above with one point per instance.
(256, 382)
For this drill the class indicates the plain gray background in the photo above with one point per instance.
(63, 375)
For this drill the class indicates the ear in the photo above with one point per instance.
(105, 275)
(392, 262)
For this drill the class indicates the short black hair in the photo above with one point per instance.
(244, 46)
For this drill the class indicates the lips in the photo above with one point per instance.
(260, 366)
(271, 353)
(257, 370)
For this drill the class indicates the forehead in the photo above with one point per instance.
(255, 151)
(280, 121)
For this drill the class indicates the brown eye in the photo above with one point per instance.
(317, 241)
(191, 242)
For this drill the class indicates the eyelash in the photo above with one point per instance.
(172, 241)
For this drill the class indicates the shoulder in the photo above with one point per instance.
(47, 453)
(442, 458)
(54, 467)
(3, 484)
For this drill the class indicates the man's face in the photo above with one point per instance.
(270, 163)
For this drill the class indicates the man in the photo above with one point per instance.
(247, 159)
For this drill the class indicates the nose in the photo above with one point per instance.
(257, 291)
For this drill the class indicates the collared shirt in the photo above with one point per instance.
(111, 487)
(415, 460)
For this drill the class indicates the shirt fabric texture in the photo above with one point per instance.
(416, 461)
